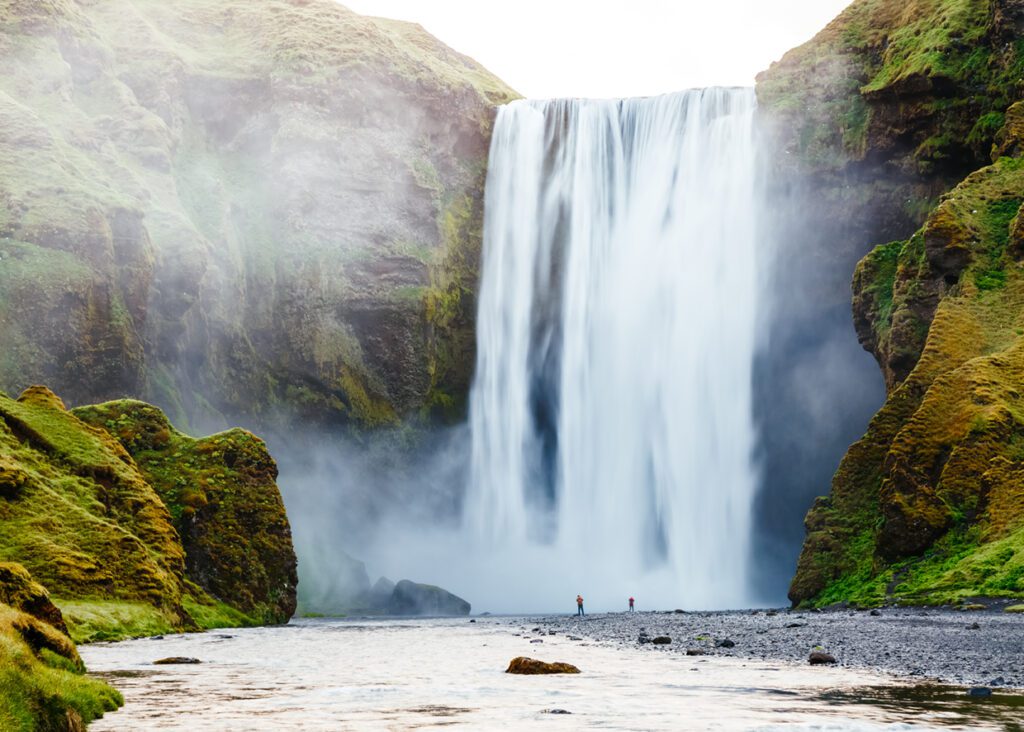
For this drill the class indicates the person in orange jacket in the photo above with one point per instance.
(631, 605)
(579, 605)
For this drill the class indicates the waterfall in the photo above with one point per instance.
(612, 434)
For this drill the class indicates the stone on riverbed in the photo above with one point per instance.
(176, 661)
(661, 640)
(818, 658)
(531, 666)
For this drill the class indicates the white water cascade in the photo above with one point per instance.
(611, 413)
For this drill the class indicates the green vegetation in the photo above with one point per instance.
(42, 682)
(44, 690)
(223, 501)
(928, 507)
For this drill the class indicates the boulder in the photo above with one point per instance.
(380, 593)
(819, 658)
(661, 640)
(531, 666)
(177, 661)
(412, 598)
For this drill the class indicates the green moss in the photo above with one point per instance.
(94, 620)
(223, 499)
(41, 689)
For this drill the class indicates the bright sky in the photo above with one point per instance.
(615, 48)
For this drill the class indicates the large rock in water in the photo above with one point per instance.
(240, 211)
(412, 598)
(531, 666)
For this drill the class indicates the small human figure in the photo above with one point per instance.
(631, 605)
(579, 605)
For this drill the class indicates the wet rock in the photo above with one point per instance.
(661, 640)
(819, 658)
(531, 666)
(176, 661)
(876, 613)
(412, 598)
(696, 652)
(726, 643)
(380, 594)
(979, 691)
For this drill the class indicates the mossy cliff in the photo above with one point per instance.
(42, 681)
(99, 531)
(240, 211)
(904, 118)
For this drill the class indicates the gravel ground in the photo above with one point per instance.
(972, 648)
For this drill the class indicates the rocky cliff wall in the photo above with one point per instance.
(239, 210)
(898, 115)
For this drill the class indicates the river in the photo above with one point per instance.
(420, 674)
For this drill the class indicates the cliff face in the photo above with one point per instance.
(260, 210)
(903, 116)
(99, 531)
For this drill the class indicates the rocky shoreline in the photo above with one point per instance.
(982, 648)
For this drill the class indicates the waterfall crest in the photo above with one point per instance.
(612, 433)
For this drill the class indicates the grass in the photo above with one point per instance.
(43, 690)
(94, 620)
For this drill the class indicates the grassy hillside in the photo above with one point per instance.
(42, 681)
(78, 512)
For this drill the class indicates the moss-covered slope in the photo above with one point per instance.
(239, 210)
(42, 682)
(929, 505)
(223, 500)
(78, 512)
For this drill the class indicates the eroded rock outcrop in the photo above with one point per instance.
(224, 502)
(98, 531)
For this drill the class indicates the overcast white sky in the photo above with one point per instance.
(616, 48)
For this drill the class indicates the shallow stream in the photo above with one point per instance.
(422, 674)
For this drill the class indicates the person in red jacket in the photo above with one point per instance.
(579, 605)
(631, 605)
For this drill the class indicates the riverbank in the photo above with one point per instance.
(970, 648)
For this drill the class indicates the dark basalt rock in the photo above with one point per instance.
(412, 598)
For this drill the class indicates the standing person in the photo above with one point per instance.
(631, 605)
(579, 605)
